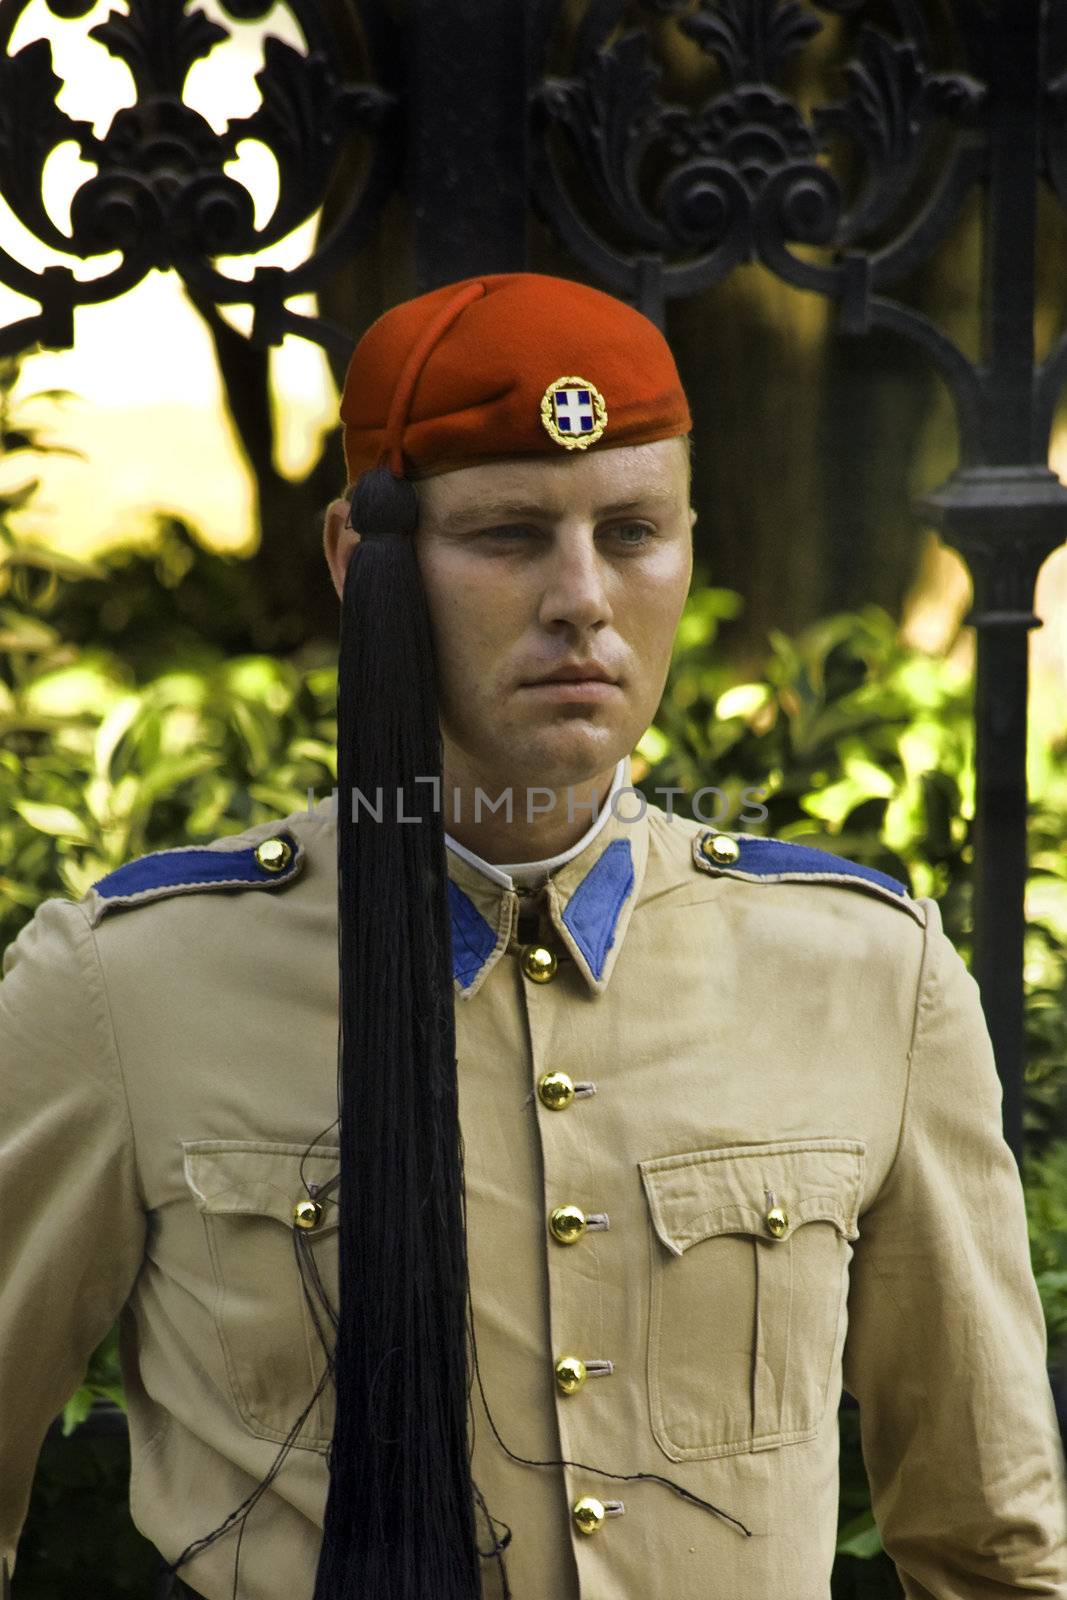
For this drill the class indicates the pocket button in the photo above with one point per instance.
(307, 1214)
(777, 1221)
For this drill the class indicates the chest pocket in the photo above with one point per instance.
(750, 1249)
(268, 1306)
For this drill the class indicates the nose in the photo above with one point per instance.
(575, 593)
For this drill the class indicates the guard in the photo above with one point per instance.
(496, 1196)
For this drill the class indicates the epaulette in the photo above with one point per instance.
(186, 870)
(758, 860)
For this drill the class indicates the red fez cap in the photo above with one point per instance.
(514, 363)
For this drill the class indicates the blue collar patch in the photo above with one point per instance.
(588, 917)
(473, 940)
(592, 912)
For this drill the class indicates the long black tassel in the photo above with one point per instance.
(400, 1519)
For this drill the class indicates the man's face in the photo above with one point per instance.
(529, 567)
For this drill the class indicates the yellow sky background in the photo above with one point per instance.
(147, 412)
(147, 415)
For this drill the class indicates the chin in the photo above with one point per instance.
(570, 753)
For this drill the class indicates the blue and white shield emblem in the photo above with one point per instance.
(573, 412)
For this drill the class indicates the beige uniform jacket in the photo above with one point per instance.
(784, 1141)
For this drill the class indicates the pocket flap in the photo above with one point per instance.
(731, 1190)
(240, 1177)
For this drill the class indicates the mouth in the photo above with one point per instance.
(580, 672)
(572, 691)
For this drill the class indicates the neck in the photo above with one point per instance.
(543, 821)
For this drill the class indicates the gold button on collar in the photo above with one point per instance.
(588, 1513)
(555, 1090)
(567, 1224)
(570, 1374)
(539, 963)
(777, 1220)
(274, 855)
(720, 848)
(307, 1214)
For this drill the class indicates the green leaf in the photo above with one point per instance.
(58, 821)
(114, 726)
(860, 1537)
(653, 745)
(77, 1409)
(169, 773)
(52, 394)
(21, 632)
(44, 559)
(279, 802)
(16, 499)
(253, 733)
(85, 688)
(743, 700)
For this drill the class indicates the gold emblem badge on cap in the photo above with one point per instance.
(574, 413)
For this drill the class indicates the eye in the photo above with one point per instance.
(509, 532)
(632, 534)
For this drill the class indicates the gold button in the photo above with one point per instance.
(307, 1214)
(538, 963)
(567, 1224)
(720, 848)
(273, 854)
(556, 1090)
(588, 1513)
(777, 1221)
(570, 1373)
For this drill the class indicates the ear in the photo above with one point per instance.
(338, 541)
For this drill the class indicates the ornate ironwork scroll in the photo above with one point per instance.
(160, 195)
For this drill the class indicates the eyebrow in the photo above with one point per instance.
(490, 511)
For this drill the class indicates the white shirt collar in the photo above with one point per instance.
(531, 874)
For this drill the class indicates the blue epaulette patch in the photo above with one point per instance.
(273, 861)
(754, 858)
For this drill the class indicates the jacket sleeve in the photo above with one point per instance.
(73, 1226)
(946, 1349)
